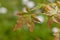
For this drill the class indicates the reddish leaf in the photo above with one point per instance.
(49, 22)
(20, 23)
(31, 26)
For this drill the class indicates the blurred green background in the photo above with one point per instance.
(8, 21)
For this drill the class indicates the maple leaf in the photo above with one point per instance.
(26, 19)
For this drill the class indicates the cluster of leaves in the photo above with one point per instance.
(51, 10)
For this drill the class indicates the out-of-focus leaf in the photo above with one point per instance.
(34, 17)
(49, 21)
(55, 19)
